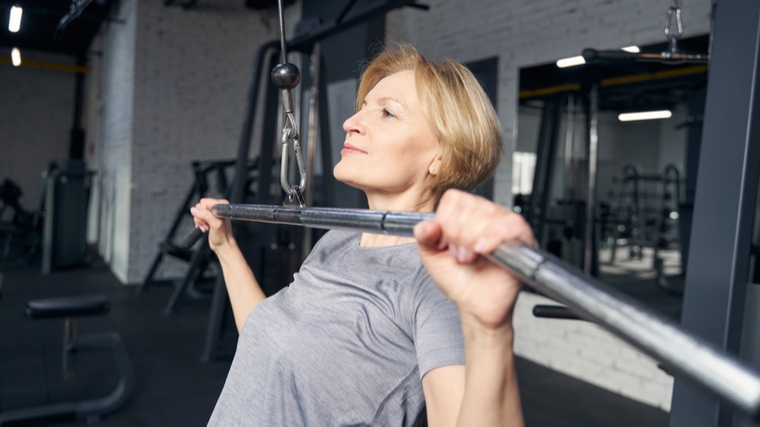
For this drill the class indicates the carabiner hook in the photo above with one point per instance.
(672, 37)
(673, 11)
(290, 133)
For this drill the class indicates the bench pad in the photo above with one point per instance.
(81, 305)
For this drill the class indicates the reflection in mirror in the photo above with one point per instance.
(648, 126)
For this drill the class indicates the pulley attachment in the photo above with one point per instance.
(673, 31)
(286, 77)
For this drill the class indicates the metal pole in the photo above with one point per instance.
(316, 63)
(237, 193)
(717, 275)
(695, 359)
(593, 119)
(569, 138)
(311, 148)
(76, 145)
(249, 116)
(547, 158)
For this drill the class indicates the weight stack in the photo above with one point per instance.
(64, 233)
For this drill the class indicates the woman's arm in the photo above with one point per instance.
(485, 295)
(491, 395)
(482, 393)
(242, 287)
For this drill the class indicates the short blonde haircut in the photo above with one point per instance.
(458, 110)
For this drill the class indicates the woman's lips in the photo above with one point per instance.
(350, 149)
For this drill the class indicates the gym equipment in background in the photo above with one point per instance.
(198, 258)
(70, 308)
(64, 235)
(20, 236)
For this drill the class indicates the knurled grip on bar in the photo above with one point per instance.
(724, 375)
(378, 222)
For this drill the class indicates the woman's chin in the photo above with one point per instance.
(350, 182)
(346, 174)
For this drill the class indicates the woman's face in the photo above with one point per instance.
(390, 147)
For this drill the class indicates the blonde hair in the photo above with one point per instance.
(458, 110)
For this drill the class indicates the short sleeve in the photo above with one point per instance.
(436, 326)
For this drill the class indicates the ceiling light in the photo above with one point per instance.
(16, 57)
(571, 62)
(645, 115)
(632, 49)
(14, 22)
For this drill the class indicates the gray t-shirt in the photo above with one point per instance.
(346, 344)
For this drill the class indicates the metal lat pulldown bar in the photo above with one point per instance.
(695, 359)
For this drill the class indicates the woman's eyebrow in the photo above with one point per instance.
(385, 99)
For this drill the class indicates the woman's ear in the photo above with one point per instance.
(435, 166)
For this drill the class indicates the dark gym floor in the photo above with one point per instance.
(174, 388)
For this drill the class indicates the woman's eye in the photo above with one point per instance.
(387, 113)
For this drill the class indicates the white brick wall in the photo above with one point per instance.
(115, 151)
(174, 86)
(36, 116)
(192, 73)
(92, 124)
(584, 350)
(526, 33)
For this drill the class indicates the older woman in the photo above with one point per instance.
(364, 335)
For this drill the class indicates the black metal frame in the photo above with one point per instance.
(546, 150)
(486, 71)
(267, 54)
(729, 167)
(198, 190)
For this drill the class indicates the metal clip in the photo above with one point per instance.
(673, 11)
(290, 133)
(670, 35)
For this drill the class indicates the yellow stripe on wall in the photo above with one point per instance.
(49, 66)
(614, 81)
(549, 90)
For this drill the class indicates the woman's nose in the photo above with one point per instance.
(354, 124)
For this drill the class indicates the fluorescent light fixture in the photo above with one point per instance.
(14, 22)
(16, 57)
(632, 49)
(645, 115)
(571, 62)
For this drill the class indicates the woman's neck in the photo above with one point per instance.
(409, 201)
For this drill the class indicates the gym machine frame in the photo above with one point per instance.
(691, 357)
(718, 285)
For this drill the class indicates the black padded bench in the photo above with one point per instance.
(70, 308)
(85, 305)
